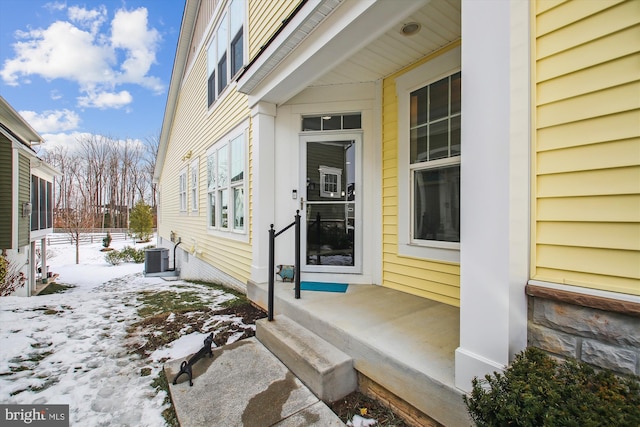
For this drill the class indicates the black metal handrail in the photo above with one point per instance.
(296, 274)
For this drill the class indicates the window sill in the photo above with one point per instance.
(241, 236)
(439, 251)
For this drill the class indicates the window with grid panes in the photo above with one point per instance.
(435, 160)
(225, 185)
(225, 53)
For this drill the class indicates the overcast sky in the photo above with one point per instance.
(93, 67)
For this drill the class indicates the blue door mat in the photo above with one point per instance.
(323, 287)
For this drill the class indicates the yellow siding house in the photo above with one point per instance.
(482, 155)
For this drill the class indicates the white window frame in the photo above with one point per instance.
(229, 28)
(214, 189)
(329, 171)
(182, 190)
(194, 187)
(440, 67)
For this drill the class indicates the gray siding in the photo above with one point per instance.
(24, 196)
(6, 195)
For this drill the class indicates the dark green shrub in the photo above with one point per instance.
(127, 254)
(538, 391)
(106, 242)
(131, 254)
(114, 257)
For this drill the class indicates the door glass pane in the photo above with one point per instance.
(331, 207)
(436, 214)
(323, 157)
(330, 234)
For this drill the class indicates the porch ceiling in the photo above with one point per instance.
(439, 25)
(355, 42)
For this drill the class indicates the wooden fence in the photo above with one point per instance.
(87, 237)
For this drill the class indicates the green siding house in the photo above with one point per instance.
(22, 176)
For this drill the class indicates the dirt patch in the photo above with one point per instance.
(161, 329)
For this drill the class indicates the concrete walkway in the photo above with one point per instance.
(245, 385)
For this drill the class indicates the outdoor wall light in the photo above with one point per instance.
(26, 209)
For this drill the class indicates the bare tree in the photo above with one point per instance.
(152, 143)
(102, 180)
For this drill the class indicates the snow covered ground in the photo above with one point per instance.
(70, 348)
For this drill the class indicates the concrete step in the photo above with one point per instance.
(326, 370)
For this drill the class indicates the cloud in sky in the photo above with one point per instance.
(104, 100)
(52, 121)
(82, 51)
(71, 142)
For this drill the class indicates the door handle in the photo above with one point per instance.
(301, 203)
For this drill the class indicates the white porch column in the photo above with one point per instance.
(43, 257)
(494, 257)
(262, 186)
(33, 269)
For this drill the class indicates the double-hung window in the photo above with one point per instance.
(225, 53)
(429, 159)
(226, 184)
(435, 160)
(182, 190)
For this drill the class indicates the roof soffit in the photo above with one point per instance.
(322, 35)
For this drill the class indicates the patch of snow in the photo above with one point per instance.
(359, 421)
(70, 348)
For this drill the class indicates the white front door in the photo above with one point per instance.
(331, 216)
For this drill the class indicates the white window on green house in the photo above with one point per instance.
(330, 182)
(194, 185)
(434, 156)
(182, 190)
(225, 53)
(226, 184)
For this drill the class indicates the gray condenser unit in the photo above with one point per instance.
(156, 260)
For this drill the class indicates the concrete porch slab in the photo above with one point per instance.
(403, 342)
(244, 385)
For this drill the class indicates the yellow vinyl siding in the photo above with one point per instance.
(587, 150)
(439, 281)
(590, 234)
(196, 128)
(265, 17)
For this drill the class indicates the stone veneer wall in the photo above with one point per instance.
(596, 330)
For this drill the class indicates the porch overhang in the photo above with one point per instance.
(321, 35)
